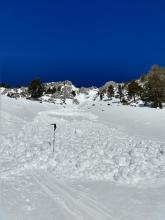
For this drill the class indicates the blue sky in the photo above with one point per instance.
(88, 42)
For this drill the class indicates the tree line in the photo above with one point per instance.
(150, 88)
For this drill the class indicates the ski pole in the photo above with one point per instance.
(54, 128)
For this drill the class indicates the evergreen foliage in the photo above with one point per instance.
(120, 92)
(35, 88)
(4, 85)
(133, 90)
(110, 91)
(154, 88)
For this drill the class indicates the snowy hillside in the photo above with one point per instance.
(96, 147)
(148, 90)
(85, 147)
(63, 92)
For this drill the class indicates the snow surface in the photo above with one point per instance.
(109, 161)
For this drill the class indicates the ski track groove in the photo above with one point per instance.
(82, 196)
(82, 205)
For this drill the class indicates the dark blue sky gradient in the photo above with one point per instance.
(88, 42)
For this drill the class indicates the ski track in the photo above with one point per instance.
(76, 203)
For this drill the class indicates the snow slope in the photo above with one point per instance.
(94, 155)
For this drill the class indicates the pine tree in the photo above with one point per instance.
(154, 91)
(133, 89)
(35, 88)
(120, 92)
(110, 91)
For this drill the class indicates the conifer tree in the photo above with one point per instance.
(120, 92)
(110, 91)
(133, 90)
(35, 88)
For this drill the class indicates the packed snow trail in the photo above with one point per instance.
(75, 203)
(37, 195)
